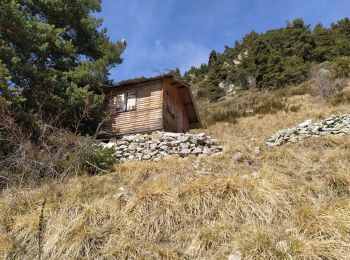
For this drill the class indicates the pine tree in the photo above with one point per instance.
(54, 60)
(276, 58)
(212, 57)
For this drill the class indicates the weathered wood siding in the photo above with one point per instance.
(179, 122)
(148, 114)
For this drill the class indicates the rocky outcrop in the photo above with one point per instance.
(335, 125)
(228, 87)
(240, 57)
(154, 146)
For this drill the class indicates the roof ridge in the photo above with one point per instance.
(142, 79)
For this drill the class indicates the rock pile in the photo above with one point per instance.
(335, 125)
(141, 147)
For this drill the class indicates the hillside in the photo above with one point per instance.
(243, 189)
(291, 201)
(275, 59)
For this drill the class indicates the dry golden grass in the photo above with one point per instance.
(300, 195)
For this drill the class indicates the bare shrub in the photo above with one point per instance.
(246, 103)
(270, 106)
(55, 154)
(324, 88)
(326, 79)
(339, 98)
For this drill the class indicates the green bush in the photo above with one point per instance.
(99, 159)
(342, 67)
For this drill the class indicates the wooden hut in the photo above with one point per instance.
(162, 103)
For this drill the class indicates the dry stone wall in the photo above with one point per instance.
(154, 146)
(334, 125)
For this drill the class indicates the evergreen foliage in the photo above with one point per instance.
(54, 61)
(274, 59)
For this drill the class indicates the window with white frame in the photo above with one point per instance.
(131, 101)
(125, 102)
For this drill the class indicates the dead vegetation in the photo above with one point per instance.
(49, 153)
(287, 202)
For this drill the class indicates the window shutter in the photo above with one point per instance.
(119, 102)
(131, 101)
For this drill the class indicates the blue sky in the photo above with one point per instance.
(165, 34)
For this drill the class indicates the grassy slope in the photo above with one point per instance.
(174, 211)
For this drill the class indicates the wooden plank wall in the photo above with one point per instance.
(148, 114)
(171, 123)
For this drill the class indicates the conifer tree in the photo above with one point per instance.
(54, 60)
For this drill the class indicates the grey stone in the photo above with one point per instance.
(237, 156)
(282, 246)
(147, 151)
(185, 151)
(235, 256)
(256, 151)
(138, 156)
(132, 146)
(162, 153)
(183, 138)
(334, 125)
(255, 173)
(159, 144)
(120, 142)
(153, 146)
(206, 150)
(109, 145)
(129, 138)
(164, 147)
(169, 134)
(121, 193)
(305, 123)
(184, 145)
(197, 150)
(146, 157)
